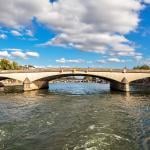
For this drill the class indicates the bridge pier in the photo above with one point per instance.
(1, 86)
(36, 85)
(122, 86)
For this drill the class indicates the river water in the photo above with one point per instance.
(75, 116)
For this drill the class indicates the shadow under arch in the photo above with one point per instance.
(141, 80)
(10, 85)
(141, 85)
(59, 76)
(10, 79)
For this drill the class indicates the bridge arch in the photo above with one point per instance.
(134, 81)
(57, 76)
(16, 77)
(9, 78)
(138, 77)
(121, 84)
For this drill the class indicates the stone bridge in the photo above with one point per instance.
(39, 78)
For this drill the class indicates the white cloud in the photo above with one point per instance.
(116, 60)
(16, 33)
(96, 26)
(3, 36)
(29, 33)
(12, 49)
(102, 61)
(63, 61)
(17, 13)
(24, 55)
(22, 33)
(138, 57)
(32, 54)
(4, 54)
(111, 60)
(146, 1)
(97, 30)
(19, 54)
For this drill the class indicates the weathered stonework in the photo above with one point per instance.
(116, 86)
(29, 86)
(120, 86)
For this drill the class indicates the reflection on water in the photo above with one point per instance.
(140, 88)
(78, 88)
(75, 116)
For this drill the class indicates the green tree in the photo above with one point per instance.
(15, 65)
(5, 64)
(8, 65)
(144, 67)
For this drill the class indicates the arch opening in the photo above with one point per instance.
(56, 77)
(76, 84)
(112, 84)
(140, 84)
(10, 85)
(79, 79)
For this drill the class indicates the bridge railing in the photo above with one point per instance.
(73, 70)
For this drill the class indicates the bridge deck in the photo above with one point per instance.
(72, 69)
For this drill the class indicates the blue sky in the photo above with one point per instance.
(73, 33)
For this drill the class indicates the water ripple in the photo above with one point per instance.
(75, 117)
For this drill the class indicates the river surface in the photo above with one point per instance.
(75, 116)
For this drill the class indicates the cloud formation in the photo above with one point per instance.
(17, 53)
(146, 1)
(97, 26)
(116, 60)
(32, 54)
(3, 36)
(63, 61)
(4, 54)
(16, 33)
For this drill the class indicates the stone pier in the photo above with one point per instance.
(30, 86)
(1, 86)
(120, 86)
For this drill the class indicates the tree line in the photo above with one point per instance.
(9, 65)
(143, 67)
(6, 64)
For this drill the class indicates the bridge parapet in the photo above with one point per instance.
(71, 69)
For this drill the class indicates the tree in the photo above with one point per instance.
(8, 65)
(5, 64)
(144, 67)
(15, 65)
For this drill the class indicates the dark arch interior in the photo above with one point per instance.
(51, 78)
(140, 85)
(80, 79)
(141, 81)
(4, 80)
(10, 85)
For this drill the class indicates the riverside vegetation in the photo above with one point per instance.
(6, 64)
(9, 65)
